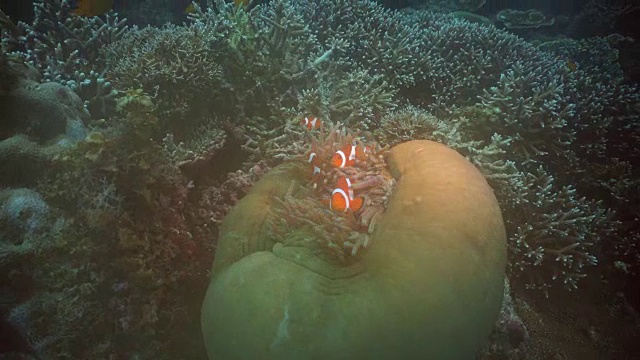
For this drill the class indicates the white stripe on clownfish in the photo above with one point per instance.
(343, 158)
(344, 197)
(311, 122)
(350, 189)
(316, 168)
(352, 153)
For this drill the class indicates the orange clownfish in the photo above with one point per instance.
(311, 122)
(315, 161)
(342, 198)
(347, 156)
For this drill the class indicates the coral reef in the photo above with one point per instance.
(561, 230)
(140, 141)
(66, 48)
(527, 19)
(178, 65)
(23, 210)
(44, 111)
(596, 19)
(25, 161)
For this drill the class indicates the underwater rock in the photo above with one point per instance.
(429, 286)
(22, 210)
(23, 161)
(42, 111)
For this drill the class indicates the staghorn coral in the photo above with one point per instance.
(489, 155)
(357, 99)
(372, 38)
(605, 107)
(65, 48)
(556, 231)
(462, 59)
(412, 123)
(179, 66)
(530, 113)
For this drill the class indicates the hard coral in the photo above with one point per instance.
(518, 19)
(179, 66)
(24, 161)
(22, 210)
(65, 48)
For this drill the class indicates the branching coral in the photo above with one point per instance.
(598, 19)
(556, 230)
(461, 59)
(65, 47)
(178, 65)
(531, 113)
(357, 100)
(373, 38)
(412, 123)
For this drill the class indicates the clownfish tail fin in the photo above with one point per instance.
(356, 204)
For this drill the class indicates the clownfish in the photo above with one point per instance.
(342, 198)
(347, 156)
(315, 161)
(311, 122)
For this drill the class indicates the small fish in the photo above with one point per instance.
(92, 7)
(571, 65)
(348, 155)
(342, 197)
(190, 9)
(311, 122)
(315, 161)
